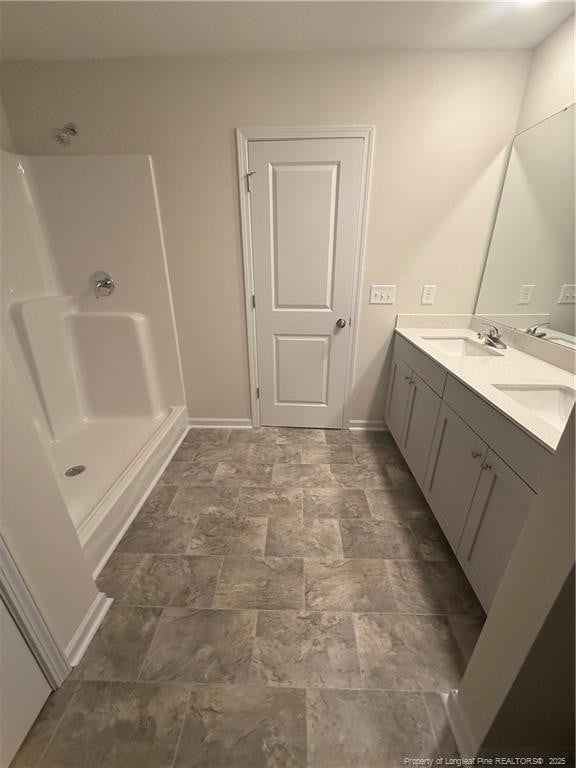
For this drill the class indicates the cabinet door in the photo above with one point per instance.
(400, 389)
(421, 418)
(499, 509)
(453, 471)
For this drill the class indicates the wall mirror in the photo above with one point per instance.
(529, 278)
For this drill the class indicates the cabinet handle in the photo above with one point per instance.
(476, 455)
(487, 466)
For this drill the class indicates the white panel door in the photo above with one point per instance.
(305, 205)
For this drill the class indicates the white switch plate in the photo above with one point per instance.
(525, 295)
(567, 294)
(428, 294)
(382, 294)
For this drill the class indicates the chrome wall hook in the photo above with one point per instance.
(64, 135)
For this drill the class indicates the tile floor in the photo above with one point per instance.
(284, 599)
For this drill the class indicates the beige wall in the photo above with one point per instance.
(442, 122)
(6, 141)
(551, 84)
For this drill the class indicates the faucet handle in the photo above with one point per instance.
(102, 284)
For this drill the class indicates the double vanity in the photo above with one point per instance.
(477, 425)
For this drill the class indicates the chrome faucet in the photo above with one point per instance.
(102, 284)
(533, 330)
(493, 337)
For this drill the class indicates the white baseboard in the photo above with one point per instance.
(377, 425)
(202, 423)
(88, 626)
(465, 741)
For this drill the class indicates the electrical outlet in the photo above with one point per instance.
(525, 295)
(382, 294)
(567, 294)
(428, 294)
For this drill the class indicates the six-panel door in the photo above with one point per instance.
(453, 472)
(499, 510)
(305, 205)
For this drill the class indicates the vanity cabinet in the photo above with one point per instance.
(453, 473)
(498, 512)
(411, 415)
(478, 471)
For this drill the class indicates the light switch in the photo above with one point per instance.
(382, 294)
(567, 294)
(525, 295)
(428, 294)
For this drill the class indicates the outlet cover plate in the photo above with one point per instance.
(382, 294)
(525, 294)
(428, 294)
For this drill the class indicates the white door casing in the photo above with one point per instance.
(303, 224)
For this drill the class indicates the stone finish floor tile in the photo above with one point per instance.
(244, 727)
(168, 535)
(305, 650)
(119, 725)
(189, 473)
(301, 475)
(366, 729)
(327, 454)
(296, 436)
(201, 646)
(356, 476)
(260, 435)
(191, 501)
(425, 587)
(467, 630)
(271, 582)
(34, 745)
(119, 647)
(348, 585)
(228, 536)
(210, 436)
(383, 539)
(243, 474)
(176, 580)
(340, 503)
(408, 653)
(117, 573)
(303, 538)
(286, 580)
(270, 502)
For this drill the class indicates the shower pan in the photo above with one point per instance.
(96, 350)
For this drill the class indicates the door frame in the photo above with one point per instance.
(243, 137)
(21, 605)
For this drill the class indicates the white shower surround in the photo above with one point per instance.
(102, 376)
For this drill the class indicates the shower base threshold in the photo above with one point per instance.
(123, 460)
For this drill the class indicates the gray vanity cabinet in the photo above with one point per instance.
(453, 472)
(421, 417)
(398, 396)
(499, 510)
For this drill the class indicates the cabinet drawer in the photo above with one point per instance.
(428, 370)
(526, 456)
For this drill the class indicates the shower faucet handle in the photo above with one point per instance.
(102, 283)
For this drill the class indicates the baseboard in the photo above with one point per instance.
(465, 741)
(87, 629)
(202, 423)
(377, 425)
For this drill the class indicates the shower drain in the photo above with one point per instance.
(76, 470)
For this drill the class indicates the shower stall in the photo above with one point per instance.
(88, 322)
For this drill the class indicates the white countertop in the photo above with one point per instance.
(481, 374)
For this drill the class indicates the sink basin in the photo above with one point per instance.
(461, 346)
(549, 402)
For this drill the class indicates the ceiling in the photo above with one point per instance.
(87, 30)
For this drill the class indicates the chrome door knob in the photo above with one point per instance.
(341, 323)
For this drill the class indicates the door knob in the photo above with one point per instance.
(341, 323)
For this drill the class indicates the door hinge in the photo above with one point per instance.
(257, 393)
(253, 301)
(248, 175)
